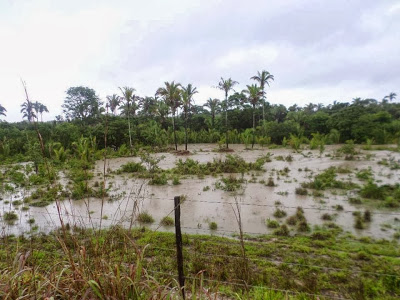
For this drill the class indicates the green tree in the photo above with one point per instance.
(171, 94)
(226, 85)
(81, 103)
(129, 98)
(2, 110)
(254, 93)
(27, 111)
(263, 78)
(390, 97)
(113, 102)
(187, 94)
(213, 105)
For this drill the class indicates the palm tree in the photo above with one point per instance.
(27, 111)
(128, 96)
(113, 102)
(2, 110)
(263, 78)
(226, 86)
(213, 105)
(187, 94)
(390, 97)
(42, 109)
(254, 93)
(171, 94)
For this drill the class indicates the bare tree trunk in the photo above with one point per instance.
(173, 126)
(129, 129)
(186, 134)
(254, 126)
(226, 121)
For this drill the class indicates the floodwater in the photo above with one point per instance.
(204, 203)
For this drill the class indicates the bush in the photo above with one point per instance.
(10, 216)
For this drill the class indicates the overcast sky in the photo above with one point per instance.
(318, 50)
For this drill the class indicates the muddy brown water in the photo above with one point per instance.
(257, 202)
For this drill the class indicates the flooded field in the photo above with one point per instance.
(259, 195)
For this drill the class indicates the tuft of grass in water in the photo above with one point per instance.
(145, 218)
(279, 213)
(167, 221)
(272, 223)
(9, 217)
(213, 226)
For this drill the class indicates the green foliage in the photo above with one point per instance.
(326, 180)
(213, 226)
(132, 167)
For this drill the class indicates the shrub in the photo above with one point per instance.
(270, 182)
(175, 180)
(158, 179)
(359, 224)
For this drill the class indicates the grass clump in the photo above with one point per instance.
(272, 223)
(167, 221)
(10, 217)
(159, 179)
(283, 230)
(213, 226)
(145, 218)
(326, 180)
(132, 167)
(301, 191)
(279, 213)
(229, 184)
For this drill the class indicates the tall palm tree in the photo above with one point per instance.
(187, 94)
(171, 94)
(42, 109)
(226, 85)
(2, 110)
(27, 110)
(263, 78)
(113, 102)
(254, 93)
(213, 105)
(390, 97)
(129, 98)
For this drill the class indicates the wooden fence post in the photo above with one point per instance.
(178, 235)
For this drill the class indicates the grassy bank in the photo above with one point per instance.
(140, 264)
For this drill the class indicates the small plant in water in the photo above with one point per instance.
(145, 218)
(167, 221)
(213, 226)
(272, 223)
(279, 213)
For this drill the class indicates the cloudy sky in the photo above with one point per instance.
(318, 50)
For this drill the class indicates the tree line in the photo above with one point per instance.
(172, 117)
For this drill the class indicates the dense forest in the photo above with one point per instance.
(170, 116)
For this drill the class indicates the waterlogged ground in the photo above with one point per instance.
(204, 203)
